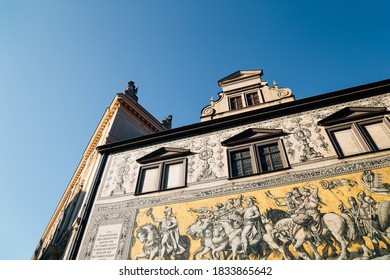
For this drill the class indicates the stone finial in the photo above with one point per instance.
(167, 122)
(131, 90)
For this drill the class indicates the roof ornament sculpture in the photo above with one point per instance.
(167, 122)
(132, 90)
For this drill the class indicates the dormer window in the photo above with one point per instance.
(252, 99)
(255, 151)
(235, 102)
(358, 130)
(161, 170)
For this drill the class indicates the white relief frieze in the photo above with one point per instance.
(117, 178)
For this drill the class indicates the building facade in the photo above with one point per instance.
(262, 176)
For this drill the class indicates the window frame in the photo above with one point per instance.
(247, 99)
(161, 165)
(255, 157)
(362, 136)
(238, 149)
(231, 101)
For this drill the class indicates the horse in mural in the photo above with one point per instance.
(221, 240)
(335, 227)
(257, 247)
(212, 241)
(150, 236)
(269, 218)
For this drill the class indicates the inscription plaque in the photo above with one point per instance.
(106, 242)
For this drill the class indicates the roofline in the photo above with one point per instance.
(256, 72)
(306, 104)
(91, 146)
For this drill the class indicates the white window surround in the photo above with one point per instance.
(360, 136)
(163, 169)
(162, 176)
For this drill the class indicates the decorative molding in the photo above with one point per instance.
(110, 217)
(288, 178)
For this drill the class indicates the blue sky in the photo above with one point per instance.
(62, 62)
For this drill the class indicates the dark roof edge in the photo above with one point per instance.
(305, 104)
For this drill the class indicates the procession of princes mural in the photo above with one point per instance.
(341, 218)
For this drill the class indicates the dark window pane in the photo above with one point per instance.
(245, 154)
(277, 161)
(247, 166)
(236, 168)
(252, 99)
(270, 157)
(235, 102)
(273, 148)
(241, 163)
(265, 163)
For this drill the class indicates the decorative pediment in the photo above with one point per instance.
(252, 135)
(240, 75)
(352, 113)
(163, 153)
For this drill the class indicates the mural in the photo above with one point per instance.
(345, 217)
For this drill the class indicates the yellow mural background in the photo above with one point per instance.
(186, 218)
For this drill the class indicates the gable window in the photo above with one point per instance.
(252, 99)
(235, 102)
(357, 130)
(255, 151)
(162, 170)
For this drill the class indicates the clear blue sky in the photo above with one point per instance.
(62, 62)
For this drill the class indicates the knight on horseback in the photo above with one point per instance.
(308, 214)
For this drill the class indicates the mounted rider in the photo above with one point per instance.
(169, 229)
(308, 214)
(233, 214)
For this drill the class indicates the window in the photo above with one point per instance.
(357, 130)
(162, 170)
(241, 163)
(347, 142)
(255, 151)
(252, 99)
(235, 102)
(257, 158)
(161, 176)
(378, 134)
(150, 178)
(270, 157)
(173, 175)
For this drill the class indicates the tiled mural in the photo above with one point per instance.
(344, 217)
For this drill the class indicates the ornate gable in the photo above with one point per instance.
(244, 91)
